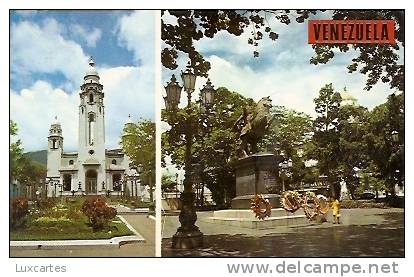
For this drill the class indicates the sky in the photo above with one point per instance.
(49, 52)
(282, 70)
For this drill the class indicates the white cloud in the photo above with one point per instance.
(90, 37)
(136, 32)
(34, 108)
(42, 49)
(290, 87)
(127, 91)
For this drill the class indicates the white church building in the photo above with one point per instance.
(93, 170)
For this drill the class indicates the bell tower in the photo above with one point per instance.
(91, 126)
(54, 149)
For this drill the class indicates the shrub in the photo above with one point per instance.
(98, 212)
(19, 208)
(46, 203)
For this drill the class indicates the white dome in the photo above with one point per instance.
(91, 68)
(56, 122)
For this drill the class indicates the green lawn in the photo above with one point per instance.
(69, 233)
(133, 204)
(65, 221)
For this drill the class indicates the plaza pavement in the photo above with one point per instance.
(363, 233)
(144, 225)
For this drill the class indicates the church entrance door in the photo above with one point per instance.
(91, 181)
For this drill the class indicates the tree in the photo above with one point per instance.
(352, 155)
(16, 151)
(327, 135)
(378, 62)
(290, 134)
(138, 143)
(22, 167)
(30, 173)
(214, 142)
(193, 25)
(388, 155)
(167, 183)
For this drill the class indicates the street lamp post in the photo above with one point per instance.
(286, 165)
(188, 234)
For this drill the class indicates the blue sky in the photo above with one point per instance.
(282, 70)
(49, 53)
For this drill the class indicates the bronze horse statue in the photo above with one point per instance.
(253, 125)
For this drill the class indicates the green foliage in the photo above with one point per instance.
(22, 168)
(138, 142)
(193, 25)
(386, 154)
(378, 62)
(16, 151)
(98, 212)
(45, 203)
(214, 143)
(19, 209)
(352, 155)
(327, 134)
(290, 135)
(167, 183)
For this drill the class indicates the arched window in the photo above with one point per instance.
(114, 161)
(91, 133)
(91, 97)
(67, 182)
(71, 162)
(54, 144)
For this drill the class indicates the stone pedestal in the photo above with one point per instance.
(256, 174)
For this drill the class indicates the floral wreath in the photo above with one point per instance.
(261, 207)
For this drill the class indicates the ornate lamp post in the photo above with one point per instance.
(188, 234)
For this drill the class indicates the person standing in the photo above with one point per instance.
(336, 209)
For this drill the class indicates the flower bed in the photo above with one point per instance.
(66, 222)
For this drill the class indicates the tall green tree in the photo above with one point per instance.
(290, 134)
(386, 140)
(352, 154)
(16, 151)
(138, 142)
(327, 135)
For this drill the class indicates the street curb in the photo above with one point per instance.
(74, 244)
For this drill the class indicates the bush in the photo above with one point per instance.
(46, 203)
(98, 212)
(19, 209)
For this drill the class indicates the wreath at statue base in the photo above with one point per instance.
(261, 207)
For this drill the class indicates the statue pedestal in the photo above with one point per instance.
(256, 174)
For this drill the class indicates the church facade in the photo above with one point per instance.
(93, 170)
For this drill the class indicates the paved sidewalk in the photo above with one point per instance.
(363, 232)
